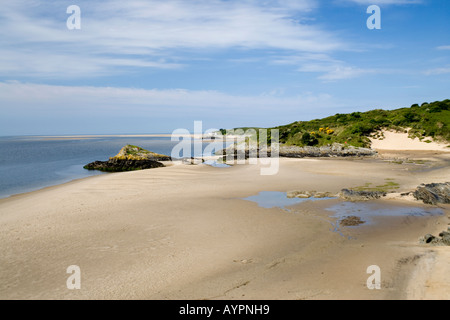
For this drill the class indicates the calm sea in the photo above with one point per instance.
(32, 163)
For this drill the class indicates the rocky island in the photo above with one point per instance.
(130, 158)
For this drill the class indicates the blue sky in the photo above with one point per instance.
(154, 66)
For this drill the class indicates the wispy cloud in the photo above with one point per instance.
(147, 34)
(385, 2)
(38, 98)
(330, 69)
(443, 47)
(346, 72)
(437, 71)
(44, 109)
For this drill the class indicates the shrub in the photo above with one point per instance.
(361, 129)
(309, 140)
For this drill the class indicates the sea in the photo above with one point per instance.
(29, 163)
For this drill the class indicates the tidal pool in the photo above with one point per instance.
(216, 164)
(274, 199)
(367, 210)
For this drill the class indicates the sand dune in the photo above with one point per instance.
(401, 141)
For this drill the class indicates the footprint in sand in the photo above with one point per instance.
(244, 261)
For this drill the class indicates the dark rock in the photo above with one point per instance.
(444, 239)
(433, 193)
(352, 195)
(335, 150)
(193, 161)
(321, 195)
(309, 194)
(300, 194)
(429, 238)
(116, 165)
(130, 152)
(351, 221)
(130, 158)
(444, 234)
(238, 153)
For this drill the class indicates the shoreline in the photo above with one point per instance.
(46, 188)
(385, 154)
(184, 232)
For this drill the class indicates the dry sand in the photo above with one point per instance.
(400, 141)
(184, 232)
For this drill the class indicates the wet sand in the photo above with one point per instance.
(184, 232)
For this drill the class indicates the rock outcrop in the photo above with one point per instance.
(335, 150)
(130, 152)
(310, 194)
(115, 165)
(130, 158)
(352, 195)
(351, 221)
(442, 240)
(433, 193)
(246, 151)
(192, 161)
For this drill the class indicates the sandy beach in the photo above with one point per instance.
(397, 141)
(184, 232)
(222, 152)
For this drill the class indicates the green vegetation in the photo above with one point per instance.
(130, 152)
(419, 161)
(131, 149)
(428, 120)
(411, 161)
(129, 158)
(388, 186)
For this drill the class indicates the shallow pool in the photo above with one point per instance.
(275, 199)
(367, 210)
(216, 164)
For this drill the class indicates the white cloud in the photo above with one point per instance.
(330, 69)
(298, 5)
(65, 65)
(17, 97)
(35, 40)
(345, 72)
(386, 2)
(305, 59)
(437, 71)
(29, 108)
(443, 48)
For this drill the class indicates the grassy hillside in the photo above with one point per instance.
(426, 120)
